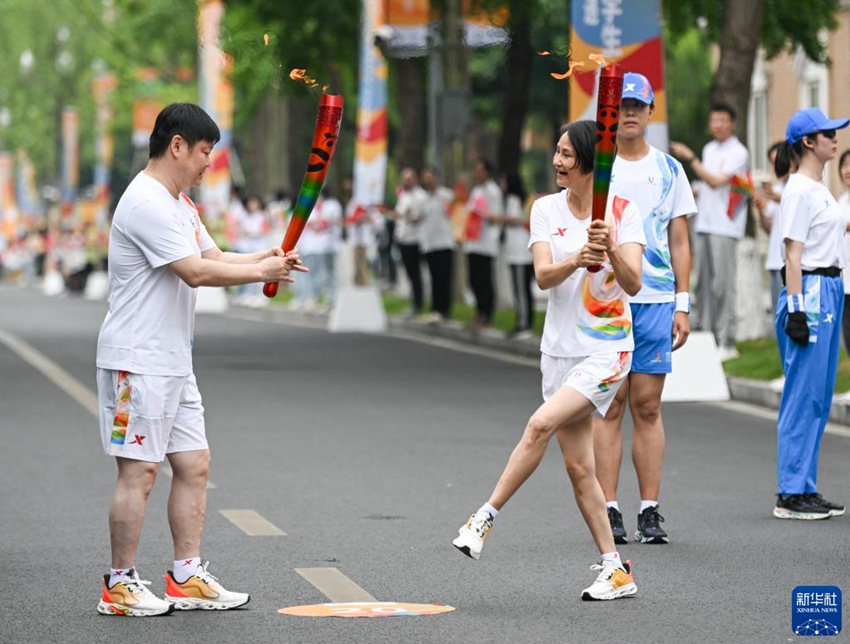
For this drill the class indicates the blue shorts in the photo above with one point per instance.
(653, 332)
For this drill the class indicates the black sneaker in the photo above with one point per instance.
(615, 518)
(797, 506)
(835, 509)
(649, 529)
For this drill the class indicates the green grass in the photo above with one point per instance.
(759, 360)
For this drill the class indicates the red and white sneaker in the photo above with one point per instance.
(201, 591)
(130, 596)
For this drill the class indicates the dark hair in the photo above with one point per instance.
(844, 156)
(488, 166)
(774, 148)
(514, 186)
(720, 106)
(786, 155)
(187, 120)
(583, 137)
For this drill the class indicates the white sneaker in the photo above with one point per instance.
(612, 582)
(728, 353)
(130, 596)
(470, 539)
(201, 590)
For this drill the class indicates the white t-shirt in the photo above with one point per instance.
(485, 200)
(362, 231)
(844, 206)
(150, 323)
(516, 235)
(435, 231)
(729, 158)
(407, 225)
(773, 261)
(322, 228)
(809, 214)
(658, 186)
(587, 313)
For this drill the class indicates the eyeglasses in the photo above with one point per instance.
(830, 134)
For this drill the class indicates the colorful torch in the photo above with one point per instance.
(325, 135)
(607, 119)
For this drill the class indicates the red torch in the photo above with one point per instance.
(607, 119)
(325, 135)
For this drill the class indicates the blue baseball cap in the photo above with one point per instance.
(637, 86)
(809, 121)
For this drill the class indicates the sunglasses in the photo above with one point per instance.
(830, 134)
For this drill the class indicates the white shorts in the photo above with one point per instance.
(597, 378)
(146, 417)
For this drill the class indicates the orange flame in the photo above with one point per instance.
(544, 53)
(301, 75)
(266, 39)
(599, 59)
(567, 73)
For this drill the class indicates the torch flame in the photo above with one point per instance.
(266, 39)
(544, 53)
(599, 59)
(301, 75)
(569, 72)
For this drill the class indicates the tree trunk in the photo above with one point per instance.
(739, 42)
(516, 96)
(412, 103)
(266, 169)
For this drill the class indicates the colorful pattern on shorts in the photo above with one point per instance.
(619, 372)
(122, 409)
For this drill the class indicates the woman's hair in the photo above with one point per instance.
(787, 154)
(513, 185)
(583, 137)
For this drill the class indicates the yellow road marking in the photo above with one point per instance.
(252, 523)
(334, 585)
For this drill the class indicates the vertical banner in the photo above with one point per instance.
(9, 214)
(628, 33)
(25, 190)
(70, 158)
(370, 148)
(102, 87)
(216, 97)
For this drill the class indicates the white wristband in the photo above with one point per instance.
(795, 303)
(683, 302)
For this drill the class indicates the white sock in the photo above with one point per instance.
(489, 509)
(613, 504)
(117, 574)
(645, 503)
(185, 568)
(613, 557)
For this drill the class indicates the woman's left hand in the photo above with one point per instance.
(599, 232)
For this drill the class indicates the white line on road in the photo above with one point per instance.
(52, 371)
(252, 524)
(334, 585)
(770, 414)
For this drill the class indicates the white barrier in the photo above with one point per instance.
(211, 299)
(697, 372)
(358, 308)
(96, 286)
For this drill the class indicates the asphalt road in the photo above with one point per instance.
(369, 452)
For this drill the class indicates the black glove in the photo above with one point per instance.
(797, 328)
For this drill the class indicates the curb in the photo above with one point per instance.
(767, 395)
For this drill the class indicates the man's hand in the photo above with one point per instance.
(682, 152)
(681, 329)
(278, 266)
(797, 328)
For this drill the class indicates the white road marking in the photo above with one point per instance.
(770, 414)
(252, 524)
(334, 585)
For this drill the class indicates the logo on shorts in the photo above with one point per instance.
(137, 439)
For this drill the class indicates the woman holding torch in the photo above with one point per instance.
(586, 345)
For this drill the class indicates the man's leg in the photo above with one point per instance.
(648, 437)
(187, 501)
(724, 289)
(704, 277)
(608, 443)
(127, 512)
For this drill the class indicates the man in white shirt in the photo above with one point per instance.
(149, 404)
(719, 225)
(657, 184)
(407, 235)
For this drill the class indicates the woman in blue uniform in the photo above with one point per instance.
(808, 313)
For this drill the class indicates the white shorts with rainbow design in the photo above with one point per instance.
(597, 377)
